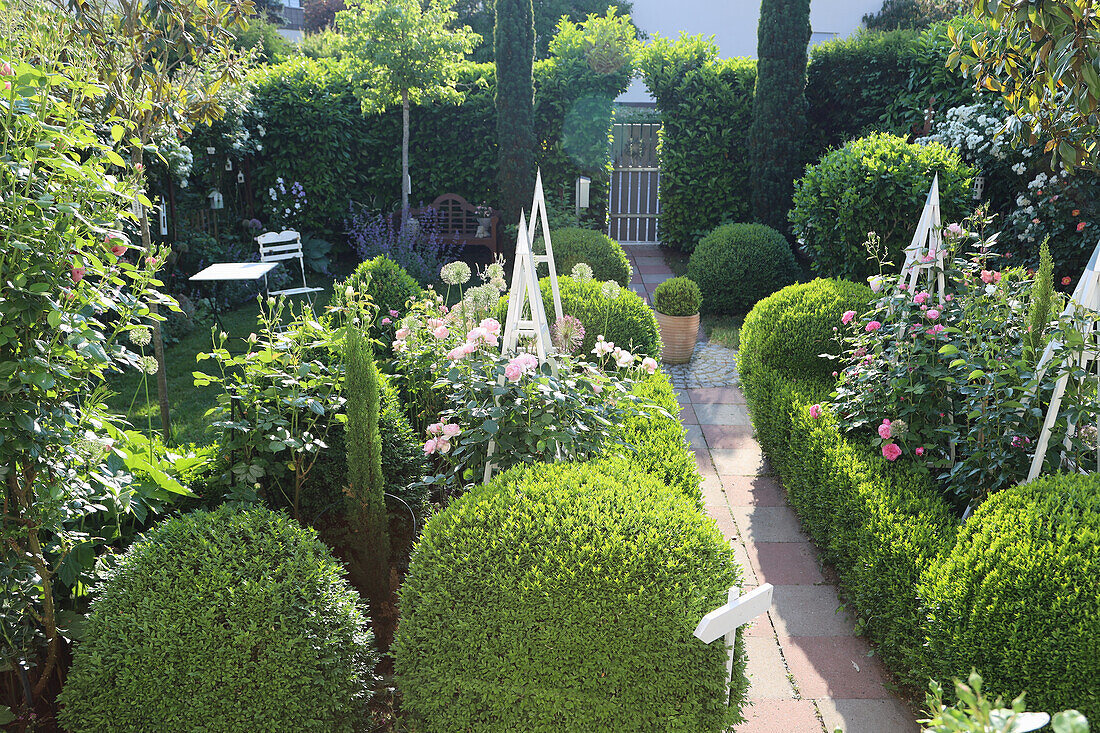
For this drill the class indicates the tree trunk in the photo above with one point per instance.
(158, 339)
(404, 157)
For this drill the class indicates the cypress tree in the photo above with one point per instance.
(514, 40)
(779, 108)
(367, 510)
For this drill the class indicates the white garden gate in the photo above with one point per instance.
(634, 204)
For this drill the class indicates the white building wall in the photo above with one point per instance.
(733, 24)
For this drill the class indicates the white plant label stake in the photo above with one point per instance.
(927, 240)
(524, 297)
(538, 214)
(724, 621)
(1085, 295)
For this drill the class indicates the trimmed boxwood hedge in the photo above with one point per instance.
(235, 620)
(561, 598)
(385, 281)
(1018, 597)
(1013, 593)
(572, 245)
(736, 265)
(791, 329)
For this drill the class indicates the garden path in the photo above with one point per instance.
(809, 671)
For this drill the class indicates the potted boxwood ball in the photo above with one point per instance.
(677, 302)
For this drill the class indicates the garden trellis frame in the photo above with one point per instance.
(927, 239)
(1085, 296)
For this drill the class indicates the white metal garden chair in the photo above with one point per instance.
(282, 246)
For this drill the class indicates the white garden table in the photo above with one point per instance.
(221, 271)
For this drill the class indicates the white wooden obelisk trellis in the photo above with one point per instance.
(927, 240)
(538, 215)
(723, 622)
(1086, 296)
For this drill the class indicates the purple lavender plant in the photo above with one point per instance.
(418, 247)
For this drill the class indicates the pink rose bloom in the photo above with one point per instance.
(435, 323)
(949, 297)
(872, 326)
(527, 361)
(891, 451)
(919, 451)
(937, 329)
(77, 274)
(459, 352)
(476, 334)
(5, 70)
(884, 430)
(402, 333)
(386, 321)
(443, 445)
(1081, 226)
(450, 430)
(815, 411)
(847, 317)
(393, 313)
(441, 332)
(435, 428)
(118, 250)
(920, 297)
(997, 275)
(513, 372)
(491, 326)
(649, 364)
(954, 230)
(932, 314)
(400, 346)
(928, 258)
(430, 446)
(987, 276)
(903, 286)
(444, 309)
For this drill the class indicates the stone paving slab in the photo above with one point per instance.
(835, 667)
(725, 414)
(809, 610)
(785, 563)
(866, 716)
(766, 670)
(716, 396)
(753, 491)
(780, 716)
(768, 524)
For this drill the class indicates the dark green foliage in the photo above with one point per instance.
(511, 621)
(658, 441)
(317, 134)
(384, 281)
(677, 296)
(913, 14)
(877, 183)
(706, 110)
(235, 620)
(738, 264)
(514, 44)
(853, 85)
(625, 319)
(605, 256)
(366, 487)
(778, 135)
(1018, 598)
(263, 32)
(789, 330)
(402, 464)
(880, 524)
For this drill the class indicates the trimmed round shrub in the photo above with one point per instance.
(789, 330)
(677, 296)
(1018, 598)
(877, 183)
(561, 598)
(603, 254)
(235, 620)
(385, 281)
(738, 264)
(624, 319)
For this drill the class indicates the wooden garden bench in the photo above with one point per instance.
(459, 223)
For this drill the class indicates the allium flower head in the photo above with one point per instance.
(455, 273)
(140, 336)
(149, 365)
(581, 272)
(610, 290)
(567, 333)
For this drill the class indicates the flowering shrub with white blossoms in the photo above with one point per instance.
(948, 382)
(1035, 202)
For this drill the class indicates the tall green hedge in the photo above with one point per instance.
(777, 138)
(706, 109)
(514, 44)
(315, 133)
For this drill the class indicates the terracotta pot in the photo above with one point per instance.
(678, 335)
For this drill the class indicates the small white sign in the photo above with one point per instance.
(725, 620)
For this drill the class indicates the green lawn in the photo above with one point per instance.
(723, 330)
(187, 403)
